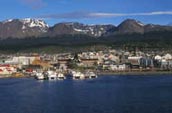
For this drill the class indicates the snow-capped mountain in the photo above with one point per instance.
(24, 28)
(79, 28)
(21, 28)
(28, 22)
(93, 30)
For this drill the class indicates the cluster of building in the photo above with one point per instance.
(109, 60)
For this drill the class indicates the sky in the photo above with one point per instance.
(88, 11)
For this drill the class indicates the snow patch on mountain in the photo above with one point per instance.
(140, 23)
(93, 30)
(81, 30)
(6, 21)
(30, 23)
(34, 23)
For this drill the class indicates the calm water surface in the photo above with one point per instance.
(106, 94)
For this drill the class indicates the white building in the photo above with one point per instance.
(6, 69)
(121, 67)
(21, 60)
(158, 57)
(167, 57)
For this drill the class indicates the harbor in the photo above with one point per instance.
(54, 75)
(82, 65)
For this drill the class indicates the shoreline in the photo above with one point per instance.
(136, 73)
(110, 73)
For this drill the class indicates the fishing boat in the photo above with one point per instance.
(52, 75)
(87, 75)
(78, 75)
(61, 76)
(93, 75)
(82, 76)
(75, 75)
(39, 76)
(90, 74)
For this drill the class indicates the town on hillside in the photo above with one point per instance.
(107, 61)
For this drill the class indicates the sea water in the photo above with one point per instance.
(105, 94)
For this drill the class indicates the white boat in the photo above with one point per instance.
(52, 75)
(75, 75)
(39, 76)
(93, 75)
(33, 74)
(90, 74)
(61, 76)
(87, 75)
(81, 75)
(78, 75)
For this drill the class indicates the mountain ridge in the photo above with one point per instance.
(24, 28)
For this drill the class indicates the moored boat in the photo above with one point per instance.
(90, 74)
(93, 75)
(39, 76)
(52, 75)
(78, 75)
(61, 76)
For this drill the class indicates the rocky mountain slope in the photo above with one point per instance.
(130, 26)
(26, 28)
(79, 28)
(22, 28)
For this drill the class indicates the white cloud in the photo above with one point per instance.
(79, 15)
(131, 14)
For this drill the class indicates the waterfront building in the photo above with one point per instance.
(22, 60)
(6, 69)
(146, 62)
(63, 63)
(88, 62)
(167, 56)
(120, 67)
(134, 61)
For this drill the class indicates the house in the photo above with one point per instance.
(6, 69)
(38, 63)
(164, 64)
(146, 62)
(88, 62)
(167, 57)
(22, 60)
(121, 67)
(63, 63)
(109, 64)
(158, 57)
(157, 61)
(134, 61)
